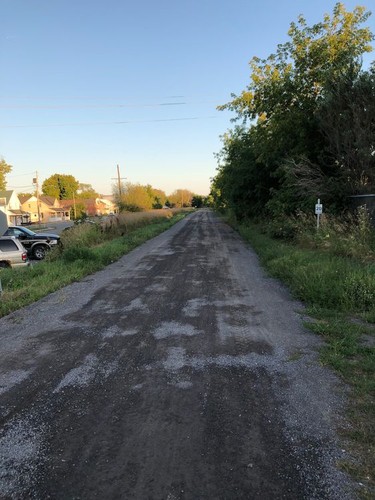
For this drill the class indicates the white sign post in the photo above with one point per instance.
(318, 212)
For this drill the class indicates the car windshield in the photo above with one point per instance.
(27, 231)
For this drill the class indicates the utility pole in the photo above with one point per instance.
(119, 179)
(74, 207)
(36, 182)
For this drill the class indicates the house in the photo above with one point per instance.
(50, 209)
(10, 205)
(91, 206)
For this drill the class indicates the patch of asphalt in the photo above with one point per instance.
(86, 373)
(22, 451)
(179, 364)
(12, 378)
(174, 329)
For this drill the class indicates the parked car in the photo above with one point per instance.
(12, 253)
(36, 244)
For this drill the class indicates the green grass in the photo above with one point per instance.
(339, 292)
(24, 286)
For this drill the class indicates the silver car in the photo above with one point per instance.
(12, 253)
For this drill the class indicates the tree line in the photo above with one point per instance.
(127, 196)
(305, 125)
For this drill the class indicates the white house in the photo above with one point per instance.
(10, 205)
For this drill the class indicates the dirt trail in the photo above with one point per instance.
(180, 372)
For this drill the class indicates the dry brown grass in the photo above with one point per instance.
(124, 222)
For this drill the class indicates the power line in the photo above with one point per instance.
(87, 106)
(20, 175)
(113, 105)
(110, 123)
(86, 98)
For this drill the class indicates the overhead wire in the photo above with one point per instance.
(110, 123)
(21, 175)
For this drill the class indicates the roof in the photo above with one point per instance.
(58, 209)
(48, 200)
(66, 203)
(24, 197)
(18, 212)
(6, 194)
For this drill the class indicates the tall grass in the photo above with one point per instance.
(351, 235)
(319, 277)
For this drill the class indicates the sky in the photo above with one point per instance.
(87, 85)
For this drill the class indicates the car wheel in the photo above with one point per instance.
(39, 252)
(4, 265)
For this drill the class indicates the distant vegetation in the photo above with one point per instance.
(5, 168)
(135, 198)
(129, 197)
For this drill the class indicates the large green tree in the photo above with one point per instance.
(281, 111)
(61, 186)
(347, 120)
(5, 168)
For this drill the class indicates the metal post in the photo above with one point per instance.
(37, 196)
(119, 181)
(318, 217)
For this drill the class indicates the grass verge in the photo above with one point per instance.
(24, 286)
(339, 293)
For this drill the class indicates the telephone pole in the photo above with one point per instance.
(119, 179)
(36, 182)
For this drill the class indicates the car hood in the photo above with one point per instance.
(43, 236)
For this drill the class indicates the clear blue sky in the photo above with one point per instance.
(73, 70)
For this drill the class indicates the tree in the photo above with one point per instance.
(197, 201)
(157, 196)
(21, 195)
(86, 191)
(5, 168)
(181, 198)
(284, 104)
(60, 186)
(133, 197)
(347, 120)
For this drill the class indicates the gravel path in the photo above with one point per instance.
(179, 372)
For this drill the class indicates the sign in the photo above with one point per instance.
(318, 209)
